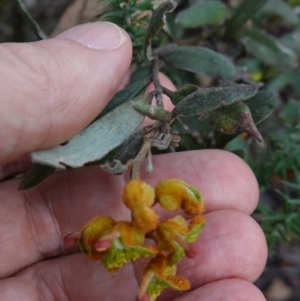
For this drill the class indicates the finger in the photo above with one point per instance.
(225, 181)
(11, 169)
(231, 245)
(70, 278)
(224, 290)
(52, 89)
(38, 218)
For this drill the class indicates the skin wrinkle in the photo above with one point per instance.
(231, 289)
(29, 208)
(43, 286)
(48, 201)
(26, 67)
(46, 214)
(235, 256)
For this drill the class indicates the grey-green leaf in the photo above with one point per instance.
(199, 60)
(203, 13)
(212, 98)
(35, 175)
(94, 142)
(130, 147)
(158, 20)
(245, 11)
(282, 9)
(268, 49)
(179, 95)
(239, 152)
(233, 119)
(139, 81)
(262, 105)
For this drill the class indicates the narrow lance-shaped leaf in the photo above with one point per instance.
(199, 60)
(222, 139)
(233, 119)
(158, 20)
(212, 98)
(280, 8)
(35, 175)
(246, 10)
(94, 142)
(203, 13)
(130, 147)
(239, 152)
(179, 95)
(139, 81)
(268, 49)
(33, 24)
(261, 105)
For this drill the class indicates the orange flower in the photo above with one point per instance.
(174, 194)
(139, 197)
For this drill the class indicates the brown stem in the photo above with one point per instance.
(137, 162)
(157, 84)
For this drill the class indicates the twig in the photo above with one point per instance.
(33, 24)
(157, 84)
(136, 168)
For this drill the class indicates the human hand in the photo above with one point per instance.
(50, 91)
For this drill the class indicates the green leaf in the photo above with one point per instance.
(139, 80)
(94, 142)
(291, 40)
(261, 105)
(199, 60)
(35, 175)
(290, 112)
(130, 147)
(268, 49)
(212, 98)
(222, 139)
(233, 119)
(179, 95)
(239, 152)
(294, 80)
(203, 13)
(33, 24)
(158, 20)
(245, 11)
(281, 9)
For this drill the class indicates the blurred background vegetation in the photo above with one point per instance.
(262, 38)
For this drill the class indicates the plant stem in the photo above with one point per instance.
(136, 169)
(157, 84)
(33, 24)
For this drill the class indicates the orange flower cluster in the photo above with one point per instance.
(116, 243)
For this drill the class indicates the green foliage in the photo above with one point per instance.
(199, 60)
(203, 13)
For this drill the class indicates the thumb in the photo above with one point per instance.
(52, 89)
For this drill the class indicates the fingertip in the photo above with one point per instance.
(54, 88)
(224, 180)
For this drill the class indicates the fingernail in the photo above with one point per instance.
(96, 35)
